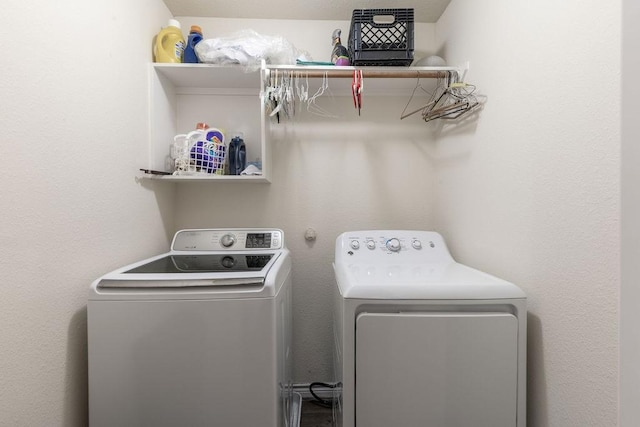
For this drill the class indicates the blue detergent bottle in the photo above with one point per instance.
(195, 36)
(237, 154)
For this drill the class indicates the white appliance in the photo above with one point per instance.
(422, 340)
(198, 336)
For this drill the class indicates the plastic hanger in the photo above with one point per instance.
(356, 89)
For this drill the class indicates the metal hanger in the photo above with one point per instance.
(439, 88)
(451, 100)
(456, 101)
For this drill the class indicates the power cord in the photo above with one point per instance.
(318, 400)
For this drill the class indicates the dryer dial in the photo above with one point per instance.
(393, 245)
(355, 244)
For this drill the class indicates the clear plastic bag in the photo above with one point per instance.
(247, 48)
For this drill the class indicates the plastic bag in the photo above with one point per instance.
(247, 48)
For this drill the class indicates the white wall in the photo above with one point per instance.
(74, 109)
(531, 192)
(630, 292)
(332, 175)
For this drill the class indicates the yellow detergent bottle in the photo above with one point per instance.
(169, 44)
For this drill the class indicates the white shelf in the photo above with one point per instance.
(187, 77)
(229, 79)
(229, 97)
(256, 179)
(225, 97)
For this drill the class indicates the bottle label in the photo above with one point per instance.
(179, 46)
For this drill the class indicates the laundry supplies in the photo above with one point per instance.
(195, 37)
(339, 54)
(237, 155)
(169, 44)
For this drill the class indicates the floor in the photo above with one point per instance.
(314, 415)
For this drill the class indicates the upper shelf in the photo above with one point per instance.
(189, 78)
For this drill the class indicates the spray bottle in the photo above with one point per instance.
(339, 54)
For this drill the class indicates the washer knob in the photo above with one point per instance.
(355, 244)
(393, 245)
(227, 240)
(371, 244)
(417, 244)
(228, 262)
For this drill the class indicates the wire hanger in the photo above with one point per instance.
(451, 100)
(280, 94)
(457, 100)
(404, 115)
(312, 105)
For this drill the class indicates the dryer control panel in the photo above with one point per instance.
(227, 239)
(391, 246)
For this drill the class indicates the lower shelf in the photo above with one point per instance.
(212, 178)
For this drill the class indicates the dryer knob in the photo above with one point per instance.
(227, 240)
(371, 244)
(393, 245)
(417, 244)
(355, 244)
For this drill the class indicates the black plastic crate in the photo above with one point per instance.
(382, 37)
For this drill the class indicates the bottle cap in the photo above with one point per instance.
(174, 23)
(196, 29)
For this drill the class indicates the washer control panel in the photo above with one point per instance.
(396, 245)
(240, 239)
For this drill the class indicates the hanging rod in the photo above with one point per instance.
(368, 72)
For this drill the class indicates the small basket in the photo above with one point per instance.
(203, 157)
(219, 154)
(381, 37)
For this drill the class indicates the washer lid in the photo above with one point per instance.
(197, 275)
(421, 281)
(204, 263)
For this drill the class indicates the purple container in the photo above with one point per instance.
(203, 156)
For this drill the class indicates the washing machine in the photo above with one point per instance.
(197, 336)
(421, 340)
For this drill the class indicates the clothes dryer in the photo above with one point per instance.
(422, 340)
(198, 336)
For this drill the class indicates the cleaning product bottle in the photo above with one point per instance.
(195, 36)
(201, 154)
(237, 155)
(339, 54)
(169, 45)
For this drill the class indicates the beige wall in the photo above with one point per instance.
(630, 292)
(332, 175)
(532, 193)
(74, 110)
